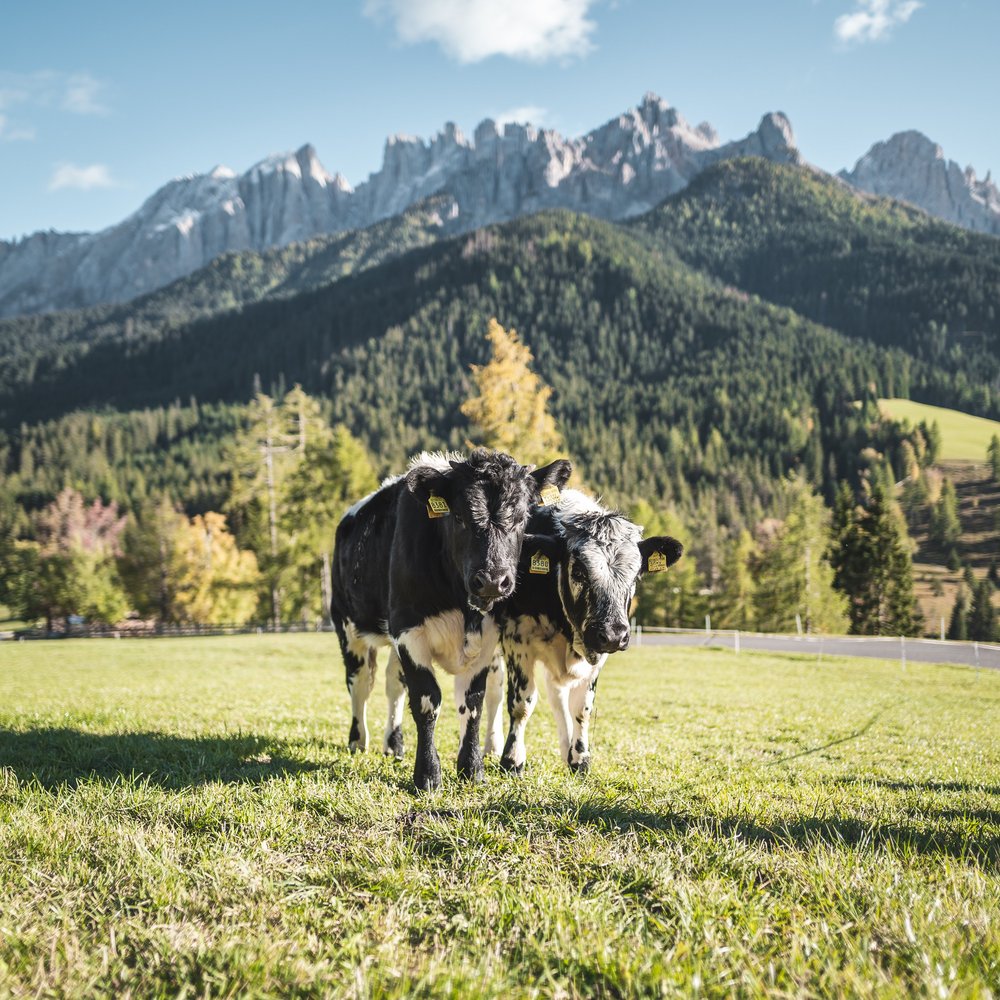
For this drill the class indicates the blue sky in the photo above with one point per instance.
(101, 103)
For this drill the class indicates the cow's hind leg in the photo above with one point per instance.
(522, 696)
(470, 692)
(395, 695)
(493, 719)
(425, 706)
(360, 681)
(581, 706)
(359, 667)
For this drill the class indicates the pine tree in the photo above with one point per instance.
(870, 553)
(945, 527)
(509, 411)
(735, 601)
(993, 457)
(983, 616)
(333, 473)
(958, 626)
(794, 577)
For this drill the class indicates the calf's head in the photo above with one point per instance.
(598, 559)
(484, 503)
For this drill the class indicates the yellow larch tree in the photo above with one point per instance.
(509, 411)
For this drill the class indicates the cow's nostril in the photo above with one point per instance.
(479, 582)
(505, 584)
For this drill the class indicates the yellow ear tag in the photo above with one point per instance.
(539, 563)
(550, 494)
(657, 562)
(437, 506)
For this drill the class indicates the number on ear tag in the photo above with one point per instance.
(550, 494)
(657, 562)
(437, 506)
(539, 563)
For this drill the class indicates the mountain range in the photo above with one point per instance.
(617, 171)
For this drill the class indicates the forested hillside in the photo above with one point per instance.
(871, 268)
(666, 383)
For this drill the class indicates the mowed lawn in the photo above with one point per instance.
(964, 437)
(182, 817)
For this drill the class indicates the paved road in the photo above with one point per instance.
(923, 650)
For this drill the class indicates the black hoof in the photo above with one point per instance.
(580, 767)
(427, 778)
(393, 745)
(507, 763)
(471, 769)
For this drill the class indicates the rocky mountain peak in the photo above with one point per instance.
(621, 168)
(913, 168)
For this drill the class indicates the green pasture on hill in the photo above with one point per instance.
(182, 818)
(964, 438)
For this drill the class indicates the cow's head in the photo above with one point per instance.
(484, 503)
(597, 561)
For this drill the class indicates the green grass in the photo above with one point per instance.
(181, 817)
(964, 438)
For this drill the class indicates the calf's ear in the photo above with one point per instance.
(658, 553)
(540, 554)
(424, 482)
(555, 474)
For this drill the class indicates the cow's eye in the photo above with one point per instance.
(579, 573)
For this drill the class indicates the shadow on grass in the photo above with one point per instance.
(800, 832)
(55, 757)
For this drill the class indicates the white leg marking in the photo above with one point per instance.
(493, 717)
(524, 705)
(559, 700)
(361, 688)
(581, 706)
(395, 696)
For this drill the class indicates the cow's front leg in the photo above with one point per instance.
(470, 692)
(493, 719)
(581, 706)
(360, 678)
(522, 696)
(559, 700)
(425, 706)
(395, 696)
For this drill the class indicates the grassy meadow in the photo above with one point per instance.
(964, 437)
(182, 818)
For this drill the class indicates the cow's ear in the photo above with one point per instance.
(658, 553)
(551, 478)
(424, 482)
(540, 554)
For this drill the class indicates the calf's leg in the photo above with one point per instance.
(559, 700)
(359, 666)
(395, 696)
(425, 706)
(493, 719)
(522, 696)
(581, 706)
(470, 692)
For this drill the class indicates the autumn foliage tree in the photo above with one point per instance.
(509, 411)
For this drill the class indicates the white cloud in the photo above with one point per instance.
(78, 93)
(69, 175)
(13, 133)
(874, 19)
(526, 114)
(472, 30)
(81, 95)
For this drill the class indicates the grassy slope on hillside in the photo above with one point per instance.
(964, 437)
(183, 815)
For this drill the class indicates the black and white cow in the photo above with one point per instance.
(577, 576)
(419, 565)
